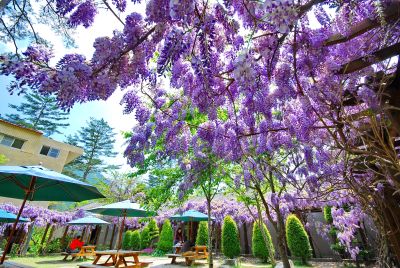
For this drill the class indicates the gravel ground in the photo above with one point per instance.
(56, 262)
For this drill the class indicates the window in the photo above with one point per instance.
(11, 141)
(49, 151)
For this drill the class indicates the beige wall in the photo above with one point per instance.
(29, 154)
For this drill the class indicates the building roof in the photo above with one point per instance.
(19, 126)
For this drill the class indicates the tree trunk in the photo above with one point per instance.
(210, 255)
(25, 247)
(246, 239)
(282, 240)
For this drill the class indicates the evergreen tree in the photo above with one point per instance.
(145, 238)
(297, 239)
(126, 240)
(230, 238)
(135, 240)
(39, 112)
(154, 232)
(97, 140)
(166, 241)
(259, 246)
(202, 234)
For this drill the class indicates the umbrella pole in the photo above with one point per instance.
(121, 231)
(14, 227)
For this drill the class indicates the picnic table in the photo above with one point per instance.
(117, 259)
(85, 251)
(199, 252)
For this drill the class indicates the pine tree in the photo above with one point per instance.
(154, 232)
(145, 238)
(230, 238)
(135, 240)
(202, 234)
(260, 248)
(166, 241)
(297, 238)
(97, 140)
(126, 241)
(39, 112)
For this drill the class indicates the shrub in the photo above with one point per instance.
(328, 214)
(135, 240)
(14, 250)
(54, 246)
(260, 247)
(297, 238)
(202, 234)
(126, 241)
(145, 238)
(230, 238)
(154, 232)
(166, 241)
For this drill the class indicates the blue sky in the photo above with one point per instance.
(110, 110)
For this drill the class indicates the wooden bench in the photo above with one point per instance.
(173, 257)
(135, 265)
(199, 253)
(85, 251)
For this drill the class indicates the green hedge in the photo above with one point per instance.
(260, 248)
(166, 241)
(126, 241)
(297, 238)
(230, 238)
(202, 234)
(145, 237)
(135, 240)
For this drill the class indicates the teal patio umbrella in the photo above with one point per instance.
(37, 183)
(89, 220)
(190, 216)
(7, 217)
(122, 209)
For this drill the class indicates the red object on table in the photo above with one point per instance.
(76, 243)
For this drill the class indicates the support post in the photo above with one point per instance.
(112, 236)
(121, 231)
(27, 193)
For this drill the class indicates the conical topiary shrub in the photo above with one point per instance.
(166, 241)
(202, 234)
(126, 241)
(297, 238)
(260, 248)
(230, 238)
(154, 232)
(145, 238)
(135, 240)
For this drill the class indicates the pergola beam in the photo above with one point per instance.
(372, 58)
(391, 13)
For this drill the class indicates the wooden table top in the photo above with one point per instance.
(118, 252)
(89, 246)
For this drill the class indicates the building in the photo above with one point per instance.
(26, 146)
